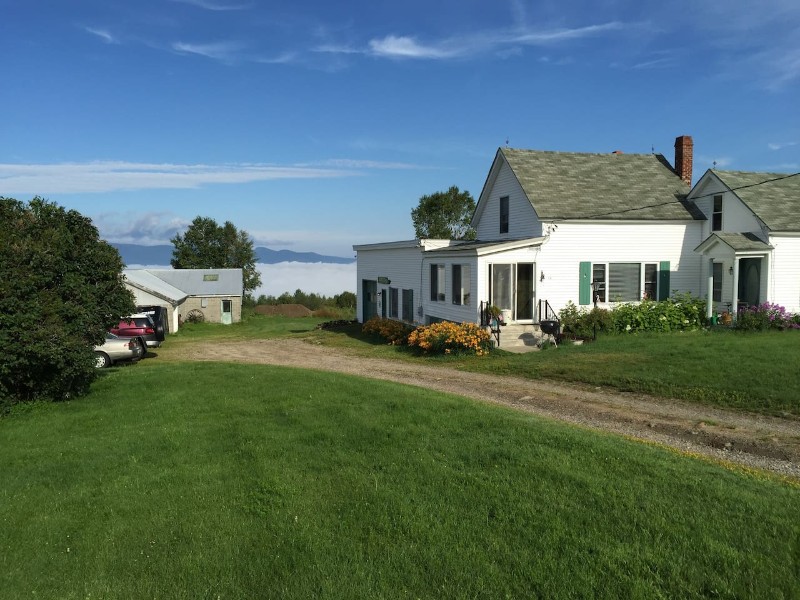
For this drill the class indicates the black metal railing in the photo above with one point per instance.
(546, 312)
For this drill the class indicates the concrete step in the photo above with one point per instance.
(517, 337)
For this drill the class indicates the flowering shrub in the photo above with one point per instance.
(680, 313)
(451, 338)
(394, 332)
(766, 316)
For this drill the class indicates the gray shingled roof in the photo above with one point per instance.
(568, 185)
(739, 242)
(776, 202)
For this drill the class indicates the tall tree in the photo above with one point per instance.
(445, 215)
(207, 245)
(61, 287)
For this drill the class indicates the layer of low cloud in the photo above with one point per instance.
(325, 279)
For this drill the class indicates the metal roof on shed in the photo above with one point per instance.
(146, 281)
(194, 282)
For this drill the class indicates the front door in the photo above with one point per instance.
(369, 299)
(512, 289)
(525, 292)
(750, 281)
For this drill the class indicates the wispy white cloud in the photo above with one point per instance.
(216, 6)
(780, 146)
(502, 42)
(102, 34)
(348, 163)
(655, 63)
(551, 36)
(68, 178)
(224, 51)
(407, 47)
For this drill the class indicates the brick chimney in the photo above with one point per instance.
(683, 158)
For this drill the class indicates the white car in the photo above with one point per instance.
(118, 349)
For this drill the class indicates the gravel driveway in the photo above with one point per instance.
(749, 440)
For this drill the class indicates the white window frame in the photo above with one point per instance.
(606, 294)
(716, 215)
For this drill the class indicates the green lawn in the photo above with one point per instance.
(184, 480)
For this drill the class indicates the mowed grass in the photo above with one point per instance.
(213, 480)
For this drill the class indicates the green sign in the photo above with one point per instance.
(384, 280)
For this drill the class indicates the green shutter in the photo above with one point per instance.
(663, 280)
(585, 283)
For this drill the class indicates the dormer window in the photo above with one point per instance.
(716, 217)
(504, 214)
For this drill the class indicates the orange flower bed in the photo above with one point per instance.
(451, 338)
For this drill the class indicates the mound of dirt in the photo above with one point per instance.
(286, 310)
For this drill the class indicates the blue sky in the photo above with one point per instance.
(317, 125)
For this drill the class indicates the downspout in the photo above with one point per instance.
(735, 296)
(710, 290)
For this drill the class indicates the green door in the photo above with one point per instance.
(226, 316)
(369, 299)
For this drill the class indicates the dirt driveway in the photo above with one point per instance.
(754, 441)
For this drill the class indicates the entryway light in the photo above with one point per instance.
(730, 270)
(541, 276)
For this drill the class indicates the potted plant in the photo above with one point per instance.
(494, 314)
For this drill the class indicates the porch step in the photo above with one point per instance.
(520, 338)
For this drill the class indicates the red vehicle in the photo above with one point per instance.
(140, 326)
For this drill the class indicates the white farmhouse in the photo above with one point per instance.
(555, 227)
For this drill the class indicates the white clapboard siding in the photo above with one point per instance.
(736, 216)
(785, 271)
(400, 264)
(523, 222)
(643, 242)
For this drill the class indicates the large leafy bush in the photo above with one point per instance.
(681, 312)
(61, 287)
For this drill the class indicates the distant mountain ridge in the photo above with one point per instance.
(134, 254)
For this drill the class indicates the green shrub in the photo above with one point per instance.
(581, 323)
(394, 332)
(682, 312)
(61, 287)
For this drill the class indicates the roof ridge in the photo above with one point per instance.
(613, 153)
